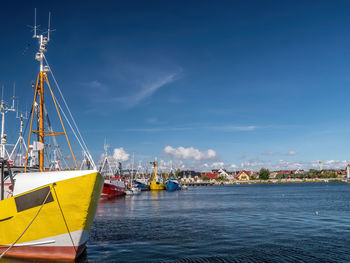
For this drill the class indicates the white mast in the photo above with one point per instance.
(20, 142)
(4, 108)
(105, 162)
(132, 170)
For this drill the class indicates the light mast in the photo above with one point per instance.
(39, 91)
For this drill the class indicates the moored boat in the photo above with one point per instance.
(133, 190)
(156, 182)
(47, 214)
(141, 184)
(50, 214)
(172, 184)
(113, 188)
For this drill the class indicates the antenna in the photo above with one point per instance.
(13, 96)
(2, 94)
(34, 36)
(48, 28)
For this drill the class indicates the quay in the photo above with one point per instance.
(199, 183)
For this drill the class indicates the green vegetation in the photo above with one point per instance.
(221, 179)
(264, 174)
(206, 178)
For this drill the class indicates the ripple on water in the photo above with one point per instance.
(255, 223)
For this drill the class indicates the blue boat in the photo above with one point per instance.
(172, 184)
(141, 185)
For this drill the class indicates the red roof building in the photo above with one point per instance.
(210, 175)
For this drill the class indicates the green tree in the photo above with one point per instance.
(221, 178)
(264, 174)
(206, 178)
(313, 171)
(177, 172)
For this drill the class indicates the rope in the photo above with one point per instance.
(82, 143)
(64, 219)
(30, 223)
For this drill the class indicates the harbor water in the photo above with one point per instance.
(238, 223)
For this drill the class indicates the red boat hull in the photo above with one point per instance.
(110, 190)
(44, 252)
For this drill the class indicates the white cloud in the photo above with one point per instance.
(292, 153)
(233, 166)
(120, 154)
(189, 153)
(218, 165)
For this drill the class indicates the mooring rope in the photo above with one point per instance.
(30, 223)
(64, 219)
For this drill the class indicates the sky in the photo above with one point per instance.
(204, 84)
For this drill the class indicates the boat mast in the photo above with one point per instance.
(39, 91)
(20, 141)
(4, 108)
(155, 164)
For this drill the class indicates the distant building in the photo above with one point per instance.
(209, 175)
(225, 174)
(189, 174)
(243, 176)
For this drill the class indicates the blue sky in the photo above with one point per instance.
(260, 83)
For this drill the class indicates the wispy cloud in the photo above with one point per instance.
(148, 89)
(157, 129)
(234, 128)
(269, 153)
(292, 153)
(94, 84)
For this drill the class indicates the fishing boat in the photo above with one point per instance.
(156, 182)
(47, 214)
(172, 184)
(132, 189)
(113, 186)
(142, 184)
(140, 180)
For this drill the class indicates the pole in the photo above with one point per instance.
(41, 122)
(2, 132)
(2, 180)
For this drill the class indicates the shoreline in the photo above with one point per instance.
(270, 181)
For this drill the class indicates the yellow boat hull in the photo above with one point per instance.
(157, 186)
(60, 227)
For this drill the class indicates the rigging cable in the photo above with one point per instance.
(72, 118)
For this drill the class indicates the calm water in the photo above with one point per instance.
(242, 223)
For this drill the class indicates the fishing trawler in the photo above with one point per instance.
(47, 214)
(172, 183)
(156, 182)
(113, 186)
(140, 180)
